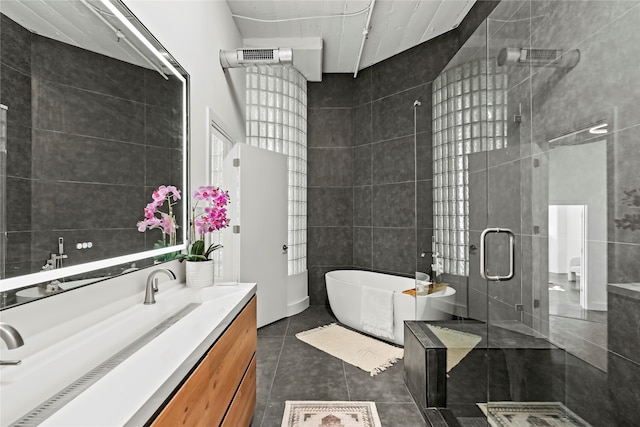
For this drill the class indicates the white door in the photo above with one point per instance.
(260, 211)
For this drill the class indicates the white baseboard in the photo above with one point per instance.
(297, 307)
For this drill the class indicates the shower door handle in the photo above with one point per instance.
(483, 254)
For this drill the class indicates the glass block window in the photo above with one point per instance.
(277, 121)
(469, 116)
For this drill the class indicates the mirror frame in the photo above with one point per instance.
(142, 34)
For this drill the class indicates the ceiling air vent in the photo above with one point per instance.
(248, 57)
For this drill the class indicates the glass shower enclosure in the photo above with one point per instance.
(536, 214)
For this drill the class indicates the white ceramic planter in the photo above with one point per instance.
(199, 274)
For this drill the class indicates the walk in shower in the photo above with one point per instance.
(535, 213)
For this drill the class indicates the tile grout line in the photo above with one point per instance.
(275, 373)
(346, 382)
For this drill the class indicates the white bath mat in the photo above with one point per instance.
(359, 350)
(530, 414)
(458, 343)
(319, 414)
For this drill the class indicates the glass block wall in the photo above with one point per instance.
(469, 116)
(277, 121)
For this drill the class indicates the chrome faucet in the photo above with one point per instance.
(13, 339)
(152, 284)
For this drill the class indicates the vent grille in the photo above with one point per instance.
(57, 401)
(257, 54)
(543, 55)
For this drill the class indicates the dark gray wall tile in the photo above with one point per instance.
(73, 66)
(623, 326)
(362, 247)
(16, 95)
(624, 377)
(362, 87)
(330, 167)
(18, 150)
(163, 127)
(15, 45)
(362, 206)
(162, 166)
(362, 165)
(71, 110)
(394, 161)
(335, 90)
(424, 155)
(67, 157)
(332, 206)
(394, 250)
(317, 284)
(392, 116)
(361, 118)
(394, 205)
(330, 246)
(328, 127)
(424, 203)
(19, 196)
(161, 92)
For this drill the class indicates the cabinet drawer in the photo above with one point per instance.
(244, 402)
(207, 393)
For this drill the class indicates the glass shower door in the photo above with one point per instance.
(3, 189)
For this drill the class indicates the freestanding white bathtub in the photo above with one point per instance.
(344, 287)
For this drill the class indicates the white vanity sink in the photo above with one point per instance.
(49, 364)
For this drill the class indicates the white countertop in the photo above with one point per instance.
(131, 392)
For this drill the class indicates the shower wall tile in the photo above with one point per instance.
(67, 157)
(361, 124)
(16, 95)
(330, 167)
(362, 247)
(504, 196)
(418, 65)
(362, 164)
(71, 110)
(362, 205)
(18, 150)
(362, 87)
(330, 246)
(394, 250)
(327, 127)
(392, 116)
(335, 90)
(73, 66)
(624, 377)
(394, 205)
(424, 155)
(424, 203)
(15, 45)
(394, 161)
(330, 206)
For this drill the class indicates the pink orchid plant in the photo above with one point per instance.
(207, 219)
(164, 221)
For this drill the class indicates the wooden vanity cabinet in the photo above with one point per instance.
(222, 389)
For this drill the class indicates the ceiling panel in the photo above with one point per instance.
(396, 25)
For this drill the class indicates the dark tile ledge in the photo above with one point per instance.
(630, 290)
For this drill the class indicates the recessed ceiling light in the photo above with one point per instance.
(599, 130)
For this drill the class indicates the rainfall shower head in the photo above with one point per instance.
(539, 57)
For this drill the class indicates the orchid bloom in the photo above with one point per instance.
(166, 222)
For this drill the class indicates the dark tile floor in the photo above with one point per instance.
(289, 369)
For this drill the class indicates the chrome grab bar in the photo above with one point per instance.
(483, 253)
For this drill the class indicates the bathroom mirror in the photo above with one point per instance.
(94, 120)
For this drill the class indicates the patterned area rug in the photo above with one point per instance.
(368, 354)
(330, 414)
(531, 414)
(458, 343)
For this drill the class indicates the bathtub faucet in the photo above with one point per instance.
(13, 339)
